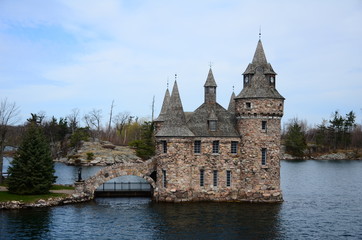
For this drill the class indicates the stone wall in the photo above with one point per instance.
(183, 167)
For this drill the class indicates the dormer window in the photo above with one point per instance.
(212, 125)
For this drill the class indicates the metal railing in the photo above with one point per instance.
(124, 186)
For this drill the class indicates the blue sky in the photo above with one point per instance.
(59, 55)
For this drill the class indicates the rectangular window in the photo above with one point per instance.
(263, 126)
(197, 146)
(228, 178)
(215, 147)
(164, 146)
(263, 156)
(164, 178)
(202, 175)
(215, 178)
(212, 125)
(234, 147)
(248, 105)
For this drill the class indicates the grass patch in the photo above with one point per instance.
(61, 187)
(6, 196)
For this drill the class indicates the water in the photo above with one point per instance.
(323, 200)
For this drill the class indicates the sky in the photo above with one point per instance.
(60, 55)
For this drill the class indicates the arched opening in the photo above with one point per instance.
(125, 186)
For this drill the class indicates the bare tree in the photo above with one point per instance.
(8, 116)
(73, 119)
(93, 120)
(120, 121)
(110, 121)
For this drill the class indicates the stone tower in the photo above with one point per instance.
(258, 111)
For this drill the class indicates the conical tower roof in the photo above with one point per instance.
(259, 55)
(175, 122)
(210, 81)
(259, 62)
(231, 107)
(165, 104)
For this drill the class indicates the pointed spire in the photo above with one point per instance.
(231, 107)
(175, 123)
(259, 56)
(165, 104)
(210, 81)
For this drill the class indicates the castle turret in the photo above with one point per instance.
(258, 109)
(210, 88)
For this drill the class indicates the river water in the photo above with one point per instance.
(323, 200)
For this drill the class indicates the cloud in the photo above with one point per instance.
(86, 53)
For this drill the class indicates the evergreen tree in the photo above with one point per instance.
(145, 147)
(295, 142)
(32, 170)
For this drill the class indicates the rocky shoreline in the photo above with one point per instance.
(329, 156)
(51, 202)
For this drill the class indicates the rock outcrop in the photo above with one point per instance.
(101, 153)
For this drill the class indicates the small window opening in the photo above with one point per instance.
(212, 125)
(215, 178)
(263, 156)
(164, 146)
(215, 147)
(234, 147)
(248, 104)
(228, 178)
(197, 146)
(202, 176)
(164, 178)
(264, 125)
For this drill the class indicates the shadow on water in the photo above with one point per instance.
(207, 220)
(24, 224)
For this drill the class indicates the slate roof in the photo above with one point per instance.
(175, 121)
(210, 81)
(259, 61)
(166, 101)
(198, 122)
(259, 87)
(231, 107)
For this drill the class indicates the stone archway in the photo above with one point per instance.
(143, 170)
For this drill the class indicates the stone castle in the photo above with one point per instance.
(218, 154)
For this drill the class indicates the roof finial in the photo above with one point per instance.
(167, 81)
(260, 32)
(233, 88)
(210, 64)
(175, 76)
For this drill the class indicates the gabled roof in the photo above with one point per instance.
(198, 122)
(166, 101)
(259, 87)
(175, 122)
(210, 81)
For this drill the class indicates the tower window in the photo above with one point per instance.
(215, 178)
(263, 156)
(197, 146)
(215, 147)
(248, 105)
(212, 125)
(228, 178)
(202, 176)
(234, 147)
(264, 125)
(164, 146)
(164, 179)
